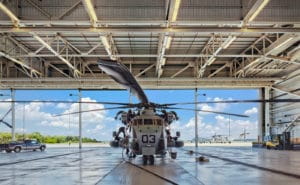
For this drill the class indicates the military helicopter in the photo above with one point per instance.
(147, 129)
(147, 125)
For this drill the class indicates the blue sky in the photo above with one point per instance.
(99, 125)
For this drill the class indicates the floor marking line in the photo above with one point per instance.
(41, 158)
(188, 172)
(108, 172)
(144, 169)
(250, 165)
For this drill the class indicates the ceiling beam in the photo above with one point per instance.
(60, 71)
(254, 11)
(89, 7)
(10, 14)
(165, 39)
(215, 44)
(38, 38)
(281, 44)
(283, 59)
(106, 40)
(285, 91)
(48, 15)
(145, 70)
(174, 7)
(68, 11)
(147, 83)
(182, 23)
(183, 69)
(23, 64)
(218, 70)
(150, 29)
(146, 55)
(163, 44)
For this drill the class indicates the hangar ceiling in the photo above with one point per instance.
(166, 44)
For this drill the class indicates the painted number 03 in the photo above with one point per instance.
(148, 139)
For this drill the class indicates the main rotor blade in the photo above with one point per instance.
(237, 101)
(5, 123)
(120, 73)
(93, 110)
(62, 101)
(215, 112)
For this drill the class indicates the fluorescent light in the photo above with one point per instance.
(91, 11)
(169, 40)
(258, 10)
(10, 14)
(228, 41)
(176, 9)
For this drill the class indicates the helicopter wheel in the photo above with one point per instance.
(132, 155)
(145, 159)
(151, 159)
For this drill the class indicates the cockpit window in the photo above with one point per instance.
(138, 122)
(158, 122)
(148, 122)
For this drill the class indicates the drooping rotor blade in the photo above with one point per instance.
(59, 101)
(215, 112)
(237, 101)
(5, 123)
(93, 110)
(120, 73)
(5, 114)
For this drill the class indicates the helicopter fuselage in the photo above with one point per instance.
(148, 134)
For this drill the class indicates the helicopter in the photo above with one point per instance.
(146, 130)
(147, 125)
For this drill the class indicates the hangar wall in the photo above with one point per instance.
(285, 117)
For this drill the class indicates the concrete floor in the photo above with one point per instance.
(105, 166)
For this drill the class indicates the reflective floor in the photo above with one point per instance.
(106, 166)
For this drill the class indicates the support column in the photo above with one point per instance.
(267, 112)
(80, 119)
(13, 115)
(261, 118)
(229, 128)
(196, 119)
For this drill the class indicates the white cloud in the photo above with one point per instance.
(87, 118)
(220, 125)
(213, 107)
(62, 105)
(39, 117)
(251, 111)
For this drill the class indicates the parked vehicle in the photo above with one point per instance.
(18, 146)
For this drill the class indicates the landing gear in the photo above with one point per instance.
(149, 158)
(173, 155)
(145, 159)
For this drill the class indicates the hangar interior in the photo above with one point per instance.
(166, 44)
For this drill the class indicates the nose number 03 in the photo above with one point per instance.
(148, 139)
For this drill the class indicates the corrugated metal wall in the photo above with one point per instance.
(282, 114)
